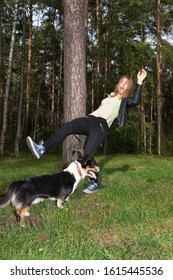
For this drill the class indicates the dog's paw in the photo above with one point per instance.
(60, 206)
(60, 203)
(27, 214)
(22, 225)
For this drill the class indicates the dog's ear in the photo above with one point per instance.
(86, 162)
(89, 162)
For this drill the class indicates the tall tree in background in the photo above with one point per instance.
(97, 46)
(86, 18)
(1, 3)
(7, 88)
(41, 77)
(74, 68)
(19, 117)
(159, 75)
(107, 38)
(29, 72)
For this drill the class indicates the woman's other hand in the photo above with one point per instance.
(141, 76)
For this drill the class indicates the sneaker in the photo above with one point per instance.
(93, 186)
(36, 149)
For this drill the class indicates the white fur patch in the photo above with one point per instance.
(27, 214)
(15, 202)
(59, 203)
(37, 200)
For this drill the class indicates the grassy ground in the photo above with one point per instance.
(130, 217)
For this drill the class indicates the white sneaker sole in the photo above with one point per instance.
(31, 147)
(88, 191)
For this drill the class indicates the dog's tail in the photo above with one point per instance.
(5, 198)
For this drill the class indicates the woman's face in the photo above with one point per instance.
(123, 86)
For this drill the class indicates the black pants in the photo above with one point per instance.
(95, 128)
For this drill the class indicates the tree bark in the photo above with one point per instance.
(29, 73)
(6, 95)
(1, 61)
(52, 121)
(159, 75)
(74, 68)
(143, 128)
(19, 118)
(97, 46)
(41, 76)
(107, 62)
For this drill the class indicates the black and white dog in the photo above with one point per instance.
(59, 186)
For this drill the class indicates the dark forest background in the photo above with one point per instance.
(120, 38)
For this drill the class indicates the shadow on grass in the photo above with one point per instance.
(123, 168)
(103, 162)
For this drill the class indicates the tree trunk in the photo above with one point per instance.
(60, 89)
(92, 90)
(74, 68)
(143, 128)
(52, 121)
(28, 83)
(41, 76)
(97, 45)
(159, 75)
(107, 63)
(19, 118)
(1, 61)
(6, 95)
(86, 19)
(151, 123)
(107, 60)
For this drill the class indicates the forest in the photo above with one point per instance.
(120, 37)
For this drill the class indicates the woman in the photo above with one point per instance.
(96, 125)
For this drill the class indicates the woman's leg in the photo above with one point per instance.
(77, 126)
(98, 130)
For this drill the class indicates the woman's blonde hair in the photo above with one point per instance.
(129, 89)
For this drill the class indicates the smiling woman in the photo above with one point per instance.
(97, 124)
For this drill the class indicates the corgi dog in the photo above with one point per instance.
(58, 186)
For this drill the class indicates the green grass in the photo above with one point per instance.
(129, 218)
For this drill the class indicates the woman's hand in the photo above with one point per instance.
(141, 76)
